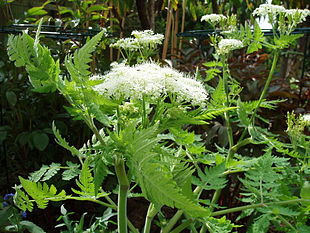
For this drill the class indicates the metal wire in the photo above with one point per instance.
(52, 31)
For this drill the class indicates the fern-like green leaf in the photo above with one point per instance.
(220, 225)
(212, 113)
(62, 142)
(100, 172)
(158, 186)
(22, 201)
(78, 64)
(42, 193)
(52, 170)
(47, 172)
(42, 69)
(85, 182)
(212, 178)
(71, 172)
(262, 183)
(20, 49)
(37, 175)
(218, 97)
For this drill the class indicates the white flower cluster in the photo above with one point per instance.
(268, 9)
(306, 117)
(297, 14)
(152, 81)
(129, 44)
(141, 40)
(213, 18)
(227, 45)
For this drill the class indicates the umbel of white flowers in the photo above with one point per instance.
(213, 18)
(227, 45)
(151, 81)
(142, 39)
(296, 15)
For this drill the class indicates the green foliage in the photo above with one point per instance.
(42, 193)
(31, 227)
(72, 171)
(212, 113)
(62, 142)
(212, 178)
(43, 71)
(78, 64)
(219, 225)
(218, 97)
(22, 200)
(153, 176)
(85, 182)
(45, 173)
(284, 41)
(262, 183)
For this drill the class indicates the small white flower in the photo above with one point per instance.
(142, 39)
(306, 117)
(213, 18)
(297, 15)
(129, 44)
(268, 9)
(227, 45)
(147, 38)
(152, 81)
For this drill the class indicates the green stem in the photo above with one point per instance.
(182, 226)
(179, 213)
(122, 194)
(114, 206)
(203, 229)
(151, 212)
(254, 206)
(144, 116)
(264, 92)
(172, 221)
(216, 196)
(226, 115)
(287, 223)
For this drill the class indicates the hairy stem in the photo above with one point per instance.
(179, 213)
(226, 115)
(254, 206)
(172, 221)
(182, 226)
(151, 212)
(122, 194)
(264, 92)
(287, 223)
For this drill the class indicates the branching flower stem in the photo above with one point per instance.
(224, 61)
(254, 206)
(264, 92)
(227, 119)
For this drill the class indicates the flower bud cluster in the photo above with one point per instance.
(227, 45)
(213, 18)
(285, 20)
(267, 9)
(142, 39)
(152, 81)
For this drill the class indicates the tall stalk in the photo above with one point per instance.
(227, 103)
(151, 212)
(264, 92)
(122, 194)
